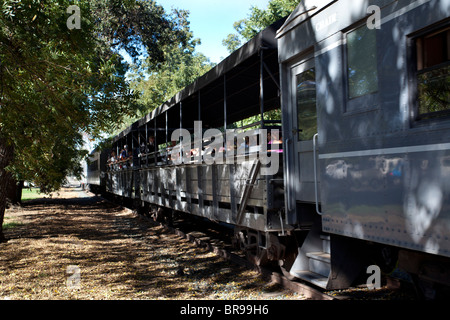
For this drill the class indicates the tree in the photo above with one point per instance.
(179, 71)
(56, 82)
(247, 29)
(182, 65)
(257, 21)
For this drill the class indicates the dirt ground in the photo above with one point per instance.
(76, 246)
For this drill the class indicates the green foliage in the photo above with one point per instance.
(31, 193)
(248, 28)
(182, 65)
(268, 115)
(434, 92)
(232, 41)
(11, 225)
(257, 21)
(57, 83)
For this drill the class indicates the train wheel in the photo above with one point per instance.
(257, 257)
(248, 241)
(288, 260)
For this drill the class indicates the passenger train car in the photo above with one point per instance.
(361, 175)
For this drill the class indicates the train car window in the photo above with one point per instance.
(306, 104)
(433, 74)
(362, 71)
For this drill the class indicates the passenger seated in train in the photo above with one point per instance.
(244, 146)
(112, 160)
(124, 158)
(135, 159)
(142, 153)
(174, 152)
(251, 144)
(151, 144)
(276, 140)
(124, 155)
(195, 152)
(231, 146)
(168, 150)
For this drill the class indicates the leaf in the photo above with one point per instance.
(56, 84)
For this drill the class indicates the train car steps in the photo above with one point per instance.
(318, 264)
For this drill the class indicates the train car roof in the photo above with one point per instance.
(265, 39)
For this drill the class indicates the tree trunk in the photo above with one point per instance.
(14, 193)
(6, 155)
(19, 188)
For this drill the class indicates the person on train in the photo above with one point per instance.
(244, 145)
(151, 144)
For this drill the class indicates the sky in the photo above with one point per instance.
(212, 21)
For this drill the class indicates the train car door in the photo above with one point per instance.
(302, 123)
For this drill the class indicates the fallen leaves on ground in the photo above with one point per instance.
(73, 246)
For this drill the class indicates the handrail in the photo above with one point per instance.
(315, 175)
(250, 182)
(288, 179)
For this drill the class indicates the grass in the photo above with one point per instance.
(33, 193)
(27, 194)
(10, 225)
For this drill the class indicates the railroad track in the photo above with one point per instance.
(217, 238)
(204, 238)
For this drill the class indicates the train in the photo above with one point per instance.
(323, 142)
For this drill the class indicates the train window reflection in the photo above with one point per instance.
(306, 104)
(362, 62)
(433, 74)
